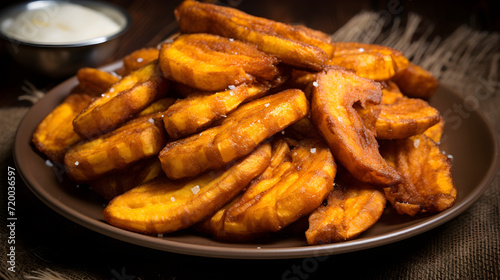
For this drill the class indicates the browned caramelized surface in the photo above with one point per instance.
(213, 63)
(352, 208)
(124, 99)
(165, 205)
(55, 134)
(427, 185)
(194, 113)
(138, 59)
(138, 139)
(435, 132)
(237, 136)
(298, 46)
(237, 85)
(369, 61)
(293, 185)
(415, 81)
(94, 82)
(351, 143)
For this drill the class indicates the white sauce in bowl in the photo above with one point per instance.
(63, 23)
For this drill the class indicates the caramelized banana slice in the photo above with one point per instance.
(164, 205)
(297, 46)
(138, 139)
(352, 208)
(369, 61)
(427, 185)
(295, 184)
(138, 59)
(405, 117)
(113, 184)
(189, 115)
(415, 81)
(55, 134)
(237, 136)
(94, 82)
(351, 143)
(212, 63)
(124, 99)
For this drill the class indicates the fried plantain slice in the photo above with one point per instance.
(427, 185)
(138, 139)
(164, 205)
(55, 134)
(405, 117)
(295, 184)
(297, 46)
(194, 113)
(369, 61)
(236, 136)
(138, 59)
(94, 82)
(352, 207)
(113, 184)
(213, 63)
(415, 81)
(336, 119)
(123, 100)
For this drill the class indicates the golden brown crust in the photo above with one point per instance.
(351, 209)
(207, 176)
(55, 134)
(164, 205)
(123, 100)
(369, 61)
(293, 185)
(390, 92)
(138, 59)
(237, 136)
(301, 130)
(427, 185)
(94, 82)
(297, 46)
(213, 63)
(194, 113)
(113, 184)
(160, 105)
(138, 139)
(435, 132)
(351, 143)
(405, 117)
(415, 81)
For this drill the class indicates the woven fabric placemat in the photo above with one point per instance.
(49, 246)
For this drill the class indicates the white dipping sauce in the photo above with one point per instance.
(60, 24)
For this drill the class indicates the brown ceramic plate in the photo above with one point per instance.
(468, 138)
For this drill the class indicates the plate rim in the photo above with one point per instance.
(234, 252)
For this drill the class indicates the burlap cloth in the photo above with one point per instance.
(49, 246)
